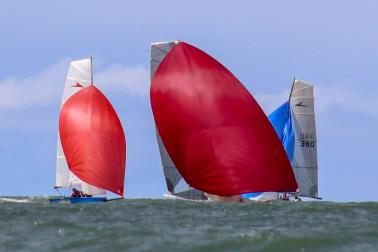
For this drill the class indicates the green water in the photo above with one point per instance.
(167, 225)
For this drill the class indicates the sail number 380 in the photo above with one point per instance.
(307, 139)
(307, 143)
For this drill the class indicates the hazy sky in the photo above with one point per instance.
(332, 44)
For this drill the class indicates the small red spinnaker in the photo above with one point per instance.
(213, 129)
(93, 140)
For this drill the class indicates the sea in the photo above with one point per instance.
(33, 224)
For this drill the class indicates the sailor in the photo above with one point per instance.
(285, 197)
(76, 193)
(296, 198)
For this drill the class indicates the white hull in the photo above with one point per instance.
(170, 196)
(175, 197)
(266, 196)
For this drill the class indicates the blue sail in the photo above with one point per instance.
(281, 122)
(251, 195)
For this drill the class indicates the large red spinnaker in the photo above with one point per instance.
(213, 129)
(93, 140)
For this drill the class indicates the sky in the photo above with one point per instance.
(332, 44)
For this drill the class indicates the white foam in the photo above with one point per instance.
(14, 200)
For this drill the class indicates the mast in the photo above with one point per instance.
(291, 91)
(91, 69)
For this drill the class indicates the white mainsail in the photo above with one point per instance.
(79, 76)
(305, 163)
(175, 182)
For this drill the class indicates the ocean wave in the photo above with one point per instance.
(166, 225)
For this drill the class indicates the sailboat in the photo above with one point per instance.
(210, 129)
(294, 123)
(91, 148)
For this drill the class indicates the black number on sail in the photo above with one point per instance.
(307, 143)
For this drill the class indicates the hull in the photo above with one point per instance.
(265, 196)
(261, 200)
(170, 196)
(175, 197)
(209, 198)
(78, 200)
